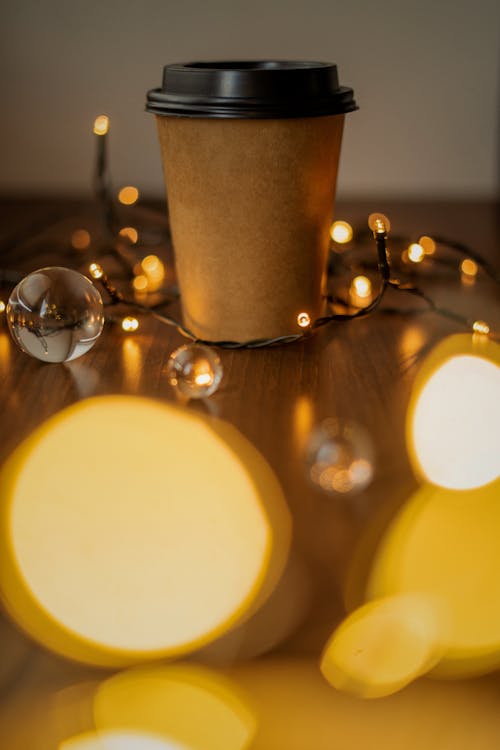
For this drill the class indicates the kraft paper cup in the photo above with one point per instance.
(250, 155)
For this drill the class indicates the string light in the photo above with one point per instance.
(80, 239)
(479, 326)
(341, 232)
(130, 233)
(151, 263)
(416, 253)
(365, 306)
(154, 271)
(96, 271)
(101, 125)
(361, 286)
(128, 195)
(379, 223)
(428, 244)
(140, 283)
(130, 324)
(469, 268)
(304, 320)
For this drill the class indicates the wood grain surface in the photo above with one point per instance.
(361, 370)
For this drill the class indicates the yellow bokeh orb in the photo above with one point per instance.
(128, 195)
(341, 232)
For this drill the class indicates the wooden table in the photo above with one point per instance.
(362, 370)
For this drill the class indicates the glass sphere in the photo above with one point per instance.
(340, 457)
(194, 370)
(55, 314)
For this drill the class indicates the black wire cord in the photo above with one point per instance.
(102, 188)
(387, 282)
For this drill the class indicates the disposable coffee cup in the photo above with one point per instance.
(250, 156)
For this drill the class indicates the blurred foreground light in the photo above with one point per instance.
(184, 705)
(126, 565)
(118, 739)
(383, 646)
(341, 232)
(453, 423)
(442, 544)
(299, 710)
(416, 253)
(80, 239)
(128, 195)
(101, 125)
(2, 306)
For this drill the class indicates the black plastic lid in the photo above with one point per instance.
(251, 89)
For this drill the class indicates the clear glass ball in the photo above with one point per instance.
(55, 314)
(340, 457)
(194, 370)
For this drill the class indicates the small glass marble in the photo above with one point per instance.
(55, 314)
(194, 370)
(340, 457)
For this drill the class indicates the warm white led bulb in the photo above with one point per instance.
(101, 125)
(130, 324)
(479, 326)
(362, 286)
(416, 253)
(96, 271)
(341, 232)
(379, 223)
(304, 320)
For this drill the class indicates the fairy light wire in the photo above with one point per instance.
(106, 202)
(387, 283)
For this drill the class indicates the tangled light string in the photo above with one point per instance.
(379, 225)
(341, 233)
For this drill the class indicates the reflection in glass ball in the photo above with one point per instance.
(55, 314)
(340, 457)
(194, 370)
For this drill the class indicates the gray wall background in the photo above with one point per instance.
(426, 75)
